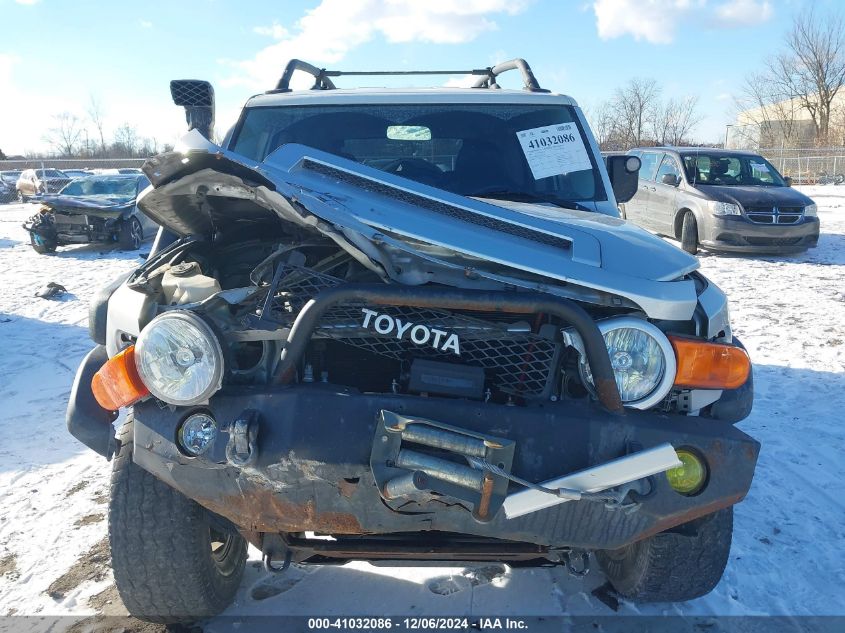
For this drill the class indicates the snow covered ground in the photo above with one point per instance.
(787, 556)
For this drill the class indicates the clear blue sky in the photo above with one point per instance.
(55, 54)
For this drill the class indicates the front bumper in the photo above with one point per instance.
(740, 235)
(65, 229)
(312, 471)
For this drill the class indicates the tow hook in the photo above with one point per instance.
(570, 566)
(241, 448)
(271, 546)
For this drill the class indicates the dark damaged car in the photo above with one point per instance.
(409, 325)
(96, 209)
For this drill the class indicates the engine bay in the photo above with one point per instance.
(251, 290)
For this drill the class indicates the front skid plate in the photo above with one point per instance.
(313, 466)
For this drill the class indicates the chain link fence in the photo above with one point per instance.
(87, 164)
(809, 166)
(71, 167)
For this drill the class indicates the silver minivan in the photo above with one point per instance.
(725, 200)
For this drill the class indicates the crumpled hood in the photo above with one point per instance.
(620, 241)
(413, 233)
(87, 204)
(759, 196)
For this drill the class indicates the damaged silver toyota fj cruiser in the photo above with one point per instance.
(409, 324)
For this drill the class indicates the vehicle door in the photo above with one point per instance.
(635, 208)
(664, 197)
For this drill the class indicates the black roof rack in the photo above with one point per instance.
(486, 76)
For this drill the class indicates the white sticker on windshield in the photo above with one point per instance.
(555, 149)
(760, 167)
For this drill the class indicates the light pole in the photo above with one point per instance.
(727, 131)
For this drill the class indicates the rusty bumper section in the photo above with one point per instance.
(311, 467)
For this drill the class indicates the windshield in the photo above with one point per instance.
(102, 186)
(50, 173)
(731, 170)
(523, 152)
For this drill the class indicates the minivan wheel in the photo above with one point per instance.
(689, 233)
(171, 563)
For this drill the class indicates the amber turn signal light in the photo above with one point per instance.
(117, 383)
(709, 365)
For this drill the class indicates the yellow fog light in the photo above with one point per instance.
(690, 476)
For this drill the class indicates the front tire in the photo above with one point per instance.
(689, 233)
(684, 563)
(131, 235)
(42, 246)
(171, 565)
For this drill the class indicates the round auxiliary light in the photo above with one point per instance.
(690, 477)
(197, 433)
(179, 358)
(642, 359)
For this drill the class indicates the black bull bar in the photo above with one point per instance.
(456, 299)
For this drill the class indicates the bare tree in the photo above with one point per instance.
(126, 139)
(682, 117)
(65, 134)
(603, 123)
(812, 69)
(95, 115)
(633, 106)
(636, 115)
(673, 120)
(767, 114)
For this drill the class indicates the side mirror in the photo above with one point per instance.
(624, 174)
(671, 179)
(788, 181)
(197, 97)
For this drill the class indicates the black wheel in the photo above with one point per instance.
(171, 564)
(42, 246)
(689, 233)
(684, 563)
(131, 235)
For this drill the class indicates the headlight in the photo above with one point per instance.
(725, 208)
(179, 358)
(642, 358)
(811, 211)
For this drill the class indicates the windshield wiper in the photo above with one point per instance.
(522, 196)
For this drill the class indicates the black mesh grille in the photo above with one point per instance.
(438, 207)
(189, 92)
(773, 241)
(514, 362)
